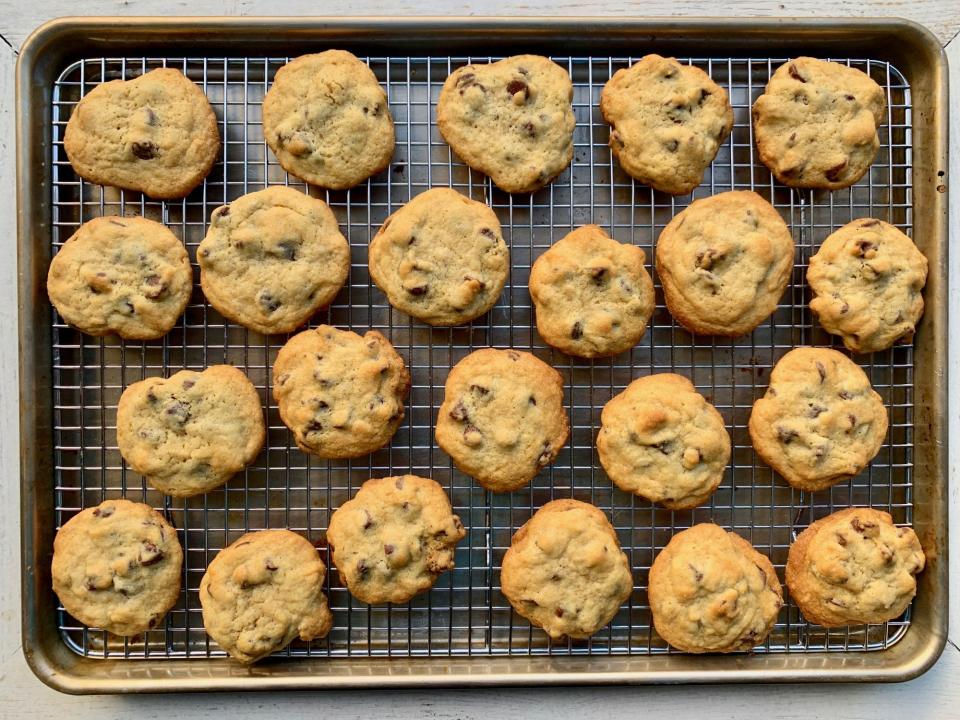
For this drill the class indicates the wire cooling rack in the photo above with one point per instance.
(466, 614)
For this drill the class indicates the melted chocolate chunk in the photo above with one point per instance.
(144, 150)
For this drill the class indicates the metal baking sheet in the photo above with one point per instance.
(465, 619)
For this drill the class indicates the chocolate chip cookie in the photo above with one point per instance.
(502, 419)
(867, 278)
(512, 120)
(340, 394)
(394, 538)
(117, 567)
(123, 275)
(667, 122)
(263, 591)
(593, 295)
(191, 432)
(564, 570)
(854, 566)
(662, 440)
(327, 120)
(156, 133)
(272, 258)
(724, 263)
(441, 258)
(820, 421)
(711, 591)
(816, 123)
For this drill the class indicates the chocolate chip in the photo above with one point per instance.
(558, 612)
(531, 131)
(151, 116)
(151, 397)
(841, 540)
(672, 145)
(268, 564)
(795, 73)
(288, 250)
(786, 436)
(418, 290)
(546, 454)
(313, 426)
(515, 86)
(697, 575)
(833, 174)
(598, 274)
(362, 568)
(844, 395)
(150, 554)
(865, 246)
(822, 371)
(792, 139)
(368, 520)
(178, 411)
(126, 307)
(104, 512)
(283, 378)
(187, 384)
(388, 549)
(489, 233)
(466, 79)
(479, 390)
(513, 355)
(144, 150)
(532, 400)
(665, 447)
(853, 422)
(763, 573)
(222, 211)
(861, 527)
(267, 301)
(577, 331)
(850, 97)
(816, 411)
(869, 223)
(459, 412)
(845, 308)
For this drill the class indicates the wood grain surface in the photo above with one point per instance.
(934, 695)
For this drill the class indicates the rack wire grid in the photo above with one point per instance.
(465, 613)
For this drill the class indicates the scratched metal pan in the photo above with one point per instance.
(463, 632)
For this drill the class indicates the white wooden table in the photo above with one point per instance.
(936, 694)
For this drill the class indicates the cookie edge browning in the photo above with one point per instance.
(395, 597)
(606, 113)
(792, 479)
(848, 342)
(673, 298)
(326, 624)
(180, 190)
(404, 378)
(658, 569)
(488, 483)
(647, 290)
(253, 398)
(769, 159)
(711, 410)
(262, 328)
(798, 569)
(562, 505)
(381, 282)
(92, 227)
(386, 105)
(173, 590)
(446, 92)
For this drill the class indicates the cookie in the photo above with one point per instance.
(191, 432)
(117, 566)
(394, 538)
(156, 133)
(852, 567)
(724, 263)
(820, 421)
(327, 120)
(123, 275)
(502, 419)
(512, 120)
(263, 591)
(667, 122)
(272, 258)
(866, 279)
(340, 394)
(816, 123)
(564, 570)
(660, 439)
(441, 258)
(711, 591)
(593, 295)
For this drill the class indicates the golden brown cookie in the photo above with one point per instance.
(593, 295)
(854, 566)
(867, 279)
(711, 591)
(662, 440)
(394, 538)
(564, 570)
(502, 419)
(667, 122)
(820, 421)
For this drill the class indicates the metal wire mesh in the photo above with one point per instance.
(466, 614)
